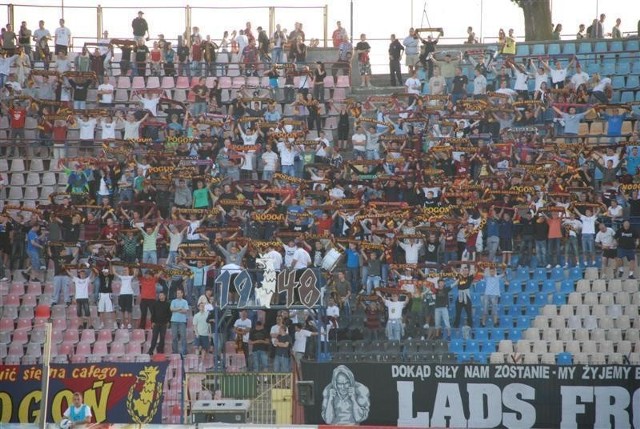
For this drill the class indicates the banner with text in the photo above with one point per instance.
(116, 392)
(478, 396)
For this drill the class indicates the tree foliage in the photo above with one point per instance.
(537, 19)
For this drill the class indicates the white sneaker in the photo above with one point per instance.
(566, 265)
(548, 266)
(129, 326)
(558, 266)
(426, 326)
(4, 279)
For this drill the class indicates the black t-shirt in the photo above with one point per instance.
(626, 239)
(363, 56)
(442, 297)
(5, 231)
(126, 53)
(79, 90)
(59, 263)
(259, 335)
(105, 283)
(70, 232)
(395, 50)
(283, 351)
(431, 251)
(141, 53)
(183, 53)
(460, 84)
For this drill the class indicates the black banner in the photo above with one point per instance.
(477, 396)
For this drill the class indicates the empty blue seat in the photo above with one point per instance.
(515, 286)
(622, 67)
(575, 273)
(488, 346)
(538, 49)
(523, 322)
(569, 49)
(532, 310)
(567, 286)
(472, 346)
(523, 273)
(549, 286)
(616, 46)
(456, 346)
(632, 45)
(506, 298)
(481, 334)
(481, 357)
(532, 286)
(506, 321)
(627, 97)
(540, 274)
(542, 298)
(617, 82)
(557, 274)
(515, 310)
(635, 69)
(515, 334)
(479, 286)
(463, 357)
(633, 82)
(638, 96)
(600, 47)
(584, 48)
(609, 69)
(559, 298)
(496, 334)
(615, 97)
(553, 49)
(593, 68)
(564, 358)
(522, 50)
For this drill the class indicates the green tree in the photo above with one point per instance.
(537, 19)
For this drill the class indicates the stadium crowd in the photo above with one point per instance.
(394, 201)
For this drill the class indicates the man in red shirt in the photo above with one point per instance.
(148, 283)
(17, 119)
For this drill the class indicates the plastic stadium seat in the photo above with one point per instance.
(138, 82)
(564, 358)
(608, 68)
(553, 49)
(168, 82)
(343, 82)
(123, 82)
(238, 82)
(15, 350)
(117, 349)
(600, 47)
(71, 336)
(584, 47)
(633, 82)
(522, 50)
(569, 49)
(538, 49)
(153, 82)
(627, 97)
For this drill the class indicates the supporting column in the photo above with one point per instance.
(187, 23)
(11, 15)
(272, 20)
(325, 22)
(99, 22)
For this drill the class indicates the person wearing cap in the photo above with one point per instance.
(140, 28)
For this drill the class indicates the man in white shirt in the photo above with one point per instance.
(275, 257)
(270, 163)
(300, 342)
(62, 39)
(359, 142)
(301, 258)
(287, 158)
(413, 84)
(81, 296)
(580, 77)
(607, 241)
(411, 249)
(394, 321)
(588, 233)
(242, 326)
(479, 84)
(558, 74)
(125, 299)
(599, 89)
(105, 91)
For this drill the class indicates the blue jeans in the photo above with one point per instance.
(199, 109)
(61, 284)
(79, 105)
(554, 251)
(34, 257)
(260, 361)
(352, 277)
(541, 252)
(171, 259)
(588, 247)
(196, 68)
(281, 364)
(267, 175)
(179, 329)
(385, 273)
(276, 55)
(373, 155)
(150, 257)
(289, 170)
(373, 282)
(394, 329)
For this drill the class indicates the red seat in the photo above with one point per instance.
(60, 324)
(134, 348)
(78, 359)
(16, 350)
(88, 336)
(138, 82)
(42, 311)
(83, 349)
(24, 325)
(123, 82)
(104, 336)
(182, 82)
(138, 336)
(65, 349)
(122, 336)
(29, 300)
(100, 349)
(117, 349)
(168, 82)
(6, 325)
(71, 336)
(20, 337)
(12, 299)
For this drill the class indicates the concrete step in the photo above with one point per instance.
(362, 92)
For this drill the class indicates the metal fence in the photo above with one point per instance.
(270, 394)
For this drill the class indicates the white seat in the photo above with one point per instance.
(622, 298)
(632, 335)
(30, 193)
(623, 322)
(631, 310)
(591, 273)
(606, 323)
(37, 165)
(583, 286)
(4, 165)
(597, 359)
(46, 191)
(505, 346)
(548, 359)
(630, 285)
(590, 298)
(532, 334)
(540, 347)
(624, 347)
(581, 334)
(17, 179)
(580, 358)
(17, 165)
(540, 322)
(549, 310)
(589, 347)
(599, 286)
(598, 335)
(614, 285)
(614, 335)
(599, 311)
(615, 359)
(550, 334)
(558, 322)
(614, 311)
(574, 322)
(605, 347)
(49, 179)
(523, 346)
(634, 358)
(496, 358)
(15, 193)
(582, 310)
(531, 359)
(590, 322)
(556, 346)
(63, 179)
(575, 298)
(565, 334)
(566, 310)
(33, 179)
(572, 347)
(606, 298)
